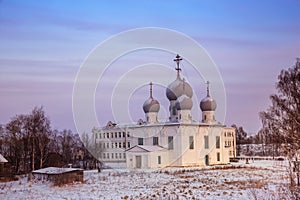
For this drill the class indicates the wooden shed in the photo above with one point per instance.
(3, 170)
(58, 176)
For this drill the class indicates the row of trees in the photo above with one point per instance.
(243, 138)
(281, 121)
(29, 143)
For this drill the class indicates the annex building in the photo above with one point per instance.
(179, 141)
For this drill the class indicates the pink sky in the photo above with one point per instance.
(44, 43)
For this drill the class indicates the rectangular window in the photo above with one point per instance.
(120, 155)
(128, 144)
(116, 145)
(120, 144)
(155, 140)
(218, 156)
(123, 134)
(159, 160)
(103, 135)
(119, 134)
(112, 135)
(191, 142)
(104, 155)
(112, 155)
(124, 155)
(107, 135)
(218, 142)
(107, 155)
(112, 145)
(116, 155)
(124, 145)
(116, 134)
(107, 145)
(128, 135)
(206, 142)
(140, 141)
(99, 135)
(170, 142)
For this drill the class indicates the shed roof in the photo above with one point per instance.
(2, 159)
(55, 170)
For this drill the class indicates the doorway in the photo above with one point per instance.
(138, 161)
(206, 160)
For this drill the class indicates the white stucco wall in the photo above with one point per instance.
(180, 155)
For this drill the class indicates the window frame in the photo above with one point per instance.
(155, 141)
(206, 142)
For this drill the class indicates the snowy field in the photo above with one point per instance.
(258, 180)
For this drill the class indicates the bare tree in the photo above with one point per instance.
(67, 145)
(40, 133)
(26, 140)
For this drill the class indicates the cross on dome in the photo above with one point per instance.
(207, 88)
(177, 60)
(151, 89)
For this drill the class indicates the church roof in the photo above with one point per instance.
(146, 148)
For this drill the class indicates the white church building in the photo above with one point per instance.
(179, 141)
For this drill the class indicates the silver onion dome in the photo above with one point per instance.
(151, 104)
(177, 88)
(208, 103)
(184, 103)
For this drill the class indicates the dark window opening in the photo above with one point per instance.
(191, 142)
(155, 140)
(170, 142)
(140, 141)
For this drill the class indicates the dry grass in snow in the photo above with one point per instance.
(259, 180)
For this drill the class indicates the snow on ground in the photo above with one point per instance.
(259, 179)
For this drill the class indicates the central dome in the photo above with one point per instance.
(178, 88)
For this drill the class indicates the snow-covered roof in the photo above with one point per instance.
(2, 159)
(55, 170)
(147, 148)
